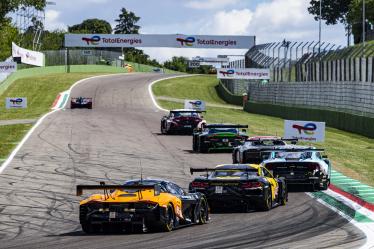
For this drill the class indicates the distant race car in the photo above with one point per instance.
(243, 186)
(218, 137)
(140, 206)
(180, 121)
(301, 165)
(81, 102)
(256, 149)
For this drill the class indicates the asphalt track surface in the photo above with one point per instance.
(39, 209)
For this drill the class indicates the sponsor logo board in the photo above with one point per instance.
(243, 73)
(305, 130)
(15, 103)
(198, 105)
(8, 67)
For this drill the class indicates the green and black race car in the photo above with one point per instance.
(218, 137)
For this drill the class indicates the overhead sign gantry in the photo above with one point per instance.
(149, 40)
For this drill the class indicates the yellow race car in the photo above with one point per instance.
(140, 206)
(243, 186)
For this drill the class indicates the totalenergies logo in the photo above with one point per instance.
(308, 128)
(186, 41)
(196, 103)
(227, 73)
(17, 101)
(94, 40)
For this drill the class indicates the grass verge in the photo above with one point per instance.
(9, 135)
(351, 154)
(40, 91)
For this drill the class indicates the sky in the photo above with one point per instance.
(268, 20)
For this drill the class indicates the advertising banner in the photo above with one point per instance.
(28, 56)
(149, 40)
(244, 73)
(305, 130)
(211, 59)
(8, 67)
(198, 105)
(16, 102)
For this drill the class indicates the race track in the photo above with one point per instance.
(39, 209)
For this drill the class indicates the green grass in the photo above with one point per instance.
(201, 87)
(9, 134)
(40, 91)
(351, 154)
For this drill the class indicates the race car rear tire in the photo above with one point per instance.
(194, 143)
(203, 214)
(235, 157)
(325, 185)
(88, 228)
(267, 202)
(168, 223)
(202, 148)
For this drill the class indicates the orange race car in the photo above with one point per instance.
(140, 206)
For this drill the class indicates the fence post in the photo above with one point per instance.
(363, 69)
(370, 69)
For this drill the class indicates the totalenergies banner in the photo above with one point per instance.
(28, 56)
(243, 73)
(173, 41)
(305, 130)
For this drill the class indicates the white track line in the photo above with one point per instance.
(154, 82)
(29, 133)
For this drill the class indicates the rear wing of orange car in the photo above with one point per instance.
(105, 187)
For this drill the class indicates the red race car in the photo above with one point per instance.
(181, 121)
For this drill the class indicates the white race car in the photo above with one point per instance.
(301, 165)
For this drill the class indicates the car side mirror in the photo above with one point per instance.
(244, 130)
(157, 190)
(325, 156)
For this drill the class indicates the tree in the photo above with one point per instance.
(92, 26)
(127, 23)
(7, 6)
(8, 34)
(53, 40)
(333, 11)
(355, 17)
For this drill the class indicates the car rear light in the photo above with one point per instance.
(251, 185)
(269, 166)
(199, 184)
(313, 166)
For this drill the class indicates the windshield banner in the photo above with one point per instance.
(149, 40)
(304, 130)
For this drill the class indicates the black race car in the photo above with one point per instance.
(140, 206)
(240, 186)
(180, 121)
(81, 102)
(218, 137)
(256, 149)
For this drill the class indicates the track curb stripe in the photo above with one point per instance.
(352, 197)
